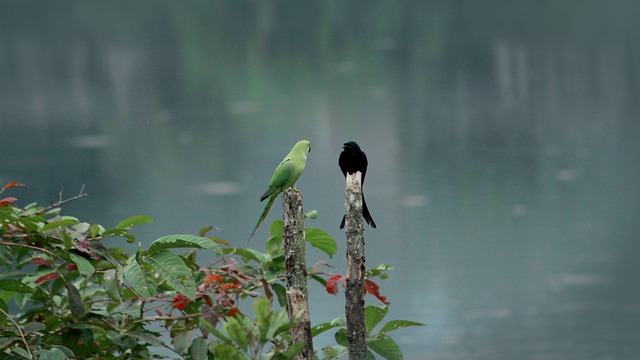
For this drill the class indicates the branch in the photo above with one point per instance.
(160, 318)
(354, 292)
(7, 243)
(62, 201)
(24, 339)
(296, 267)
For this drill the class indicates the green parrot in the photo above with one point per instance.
(285, 176)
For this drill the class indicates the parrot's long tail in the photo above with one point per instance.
(264, 213)
(365, 214)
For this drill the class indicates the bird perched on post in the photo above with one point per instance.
(353, 159)
(284, 177)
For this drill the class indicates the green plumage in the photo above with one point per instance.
(285, 176)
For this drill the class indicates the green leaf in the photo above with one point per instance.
(84, 266)
(182, 241)
(277, 229)
(380, 270)
(21, 299)
(130, 238)
(279, 323)
(321, 240)
(320, 328)
(250, 254)
(273, 245)
(199, 349)
(5, 310)
(263, 318)
(76, 305)
(34, 326)
(22, 352)
(313, 214)
(268, 321)
(116, 338)
(130, 222)
(290, 352)
(6, 340)
(53, 354)
(228, 352)
(236, 332)
(385, 347)
(373, 315)
(333, 352)
(217, 333)
(147, 336)
(51, 212)
(111, 284)
(66, 351)
(398, 324)
(15, 285)
(33, 223)
(183, 341)
(114, 232)
(134, 273)
(173, 270)
(281, 293)
(319, 279)
(80, 229)
(341, 337)
(203, 232)
(96, 230)
(66, 221)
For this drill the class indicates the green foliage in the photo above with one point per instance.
(379, 342)
(65, 295)
(320, 239)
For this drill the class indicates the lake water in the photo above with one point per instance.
(502, 140)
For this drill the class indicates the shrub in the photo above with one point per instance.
(65, 295)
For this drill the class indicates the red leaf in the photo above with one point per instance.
(180, 302)
(72, 267)
(267, 292)
(41, 261)
(332, 283)
(50, 276)
(213, 278)
(373, 289)
(233, 311)
(85, 247)
(207, 299)
(7, 201)
(13, 184)
(227, 287)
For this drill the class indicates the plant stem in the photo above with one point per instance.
(24, 339)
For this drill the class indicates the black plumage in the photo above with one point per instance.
(353, 159)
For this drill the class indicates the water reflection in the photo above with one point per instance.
(501, 139)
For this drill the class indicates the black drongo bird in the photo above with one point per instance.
(353, 159)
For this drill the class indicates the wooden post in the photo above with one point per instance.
(297, 296)
(354, 308)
